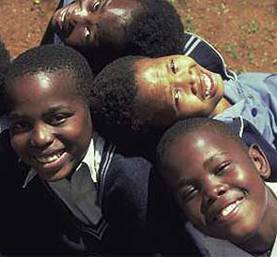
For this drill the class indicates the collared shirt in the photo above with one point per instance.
(92, 159)
(83, 202)
(214, 247)
(254, 98)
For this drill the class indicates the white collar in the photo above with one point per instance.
(92, 159)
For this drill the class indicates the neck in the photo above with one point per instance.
(222, 105)
(265, 235)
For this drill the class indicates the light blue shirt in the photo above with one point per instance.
(254, 98)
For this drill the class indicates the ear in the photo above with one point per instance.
(260, 161)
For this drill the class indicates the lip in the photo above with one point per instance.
(226, 213)
(208, 88)
(50, 160)
(61, 23)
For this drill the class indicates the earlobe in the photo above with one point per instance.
(260, 161)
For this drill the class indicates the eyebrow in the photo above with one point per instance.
(185, 182)
(209, 161)
(15, 115)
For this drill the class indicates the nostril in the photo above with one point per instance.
(221, 192)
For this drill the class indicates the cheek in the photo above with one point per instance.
(80, 130)
(192, 211)
(19, 143)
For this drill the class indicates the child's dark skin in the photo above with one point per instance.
(90, 24)
(51, 126)
(218, 185)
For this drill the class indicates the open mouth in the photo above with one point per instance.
(49, 158)
(228, 211)
(61, 23)
(208, 85)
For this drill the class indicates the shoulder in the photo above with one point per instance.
(124, 187)
(127, 174)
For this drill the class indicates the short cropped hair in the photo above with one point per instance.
(154, 30)
(114, 101)
(192, 125)
(4, 64)
(52, 59)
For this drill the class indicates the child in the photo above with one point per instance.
(101, 194)
(218, 184)
(152, 93)
(148, 28)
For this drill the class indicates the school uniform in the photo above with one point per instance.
(213, 247)
(106, 208)
(26, 224)
(104, 205)
(254, 98)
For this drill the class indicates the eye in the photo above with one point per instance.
(95, 5)
(189, 193)
(173, 67)
(20, 127)
(222, 168)
(87, 33)
(57, 118)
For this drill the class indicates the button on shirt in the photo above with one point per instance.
(254, 98)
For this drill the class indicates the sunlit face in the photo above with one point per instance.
(217, 185)
(175, 87)
(51, 125)
(94, 23)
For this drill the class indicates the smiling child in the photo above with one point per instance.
(155, 92)
(218, 184)
(101, 194)
(106, 30)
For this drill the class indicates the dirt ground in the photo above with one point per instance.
(244, 31)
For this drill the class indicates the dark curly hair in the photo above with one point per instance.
(154, 30)
(51, 59)
(114, 101)
(4, 64)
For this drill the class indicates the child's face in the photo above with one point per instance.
(51, 125)
(176, 87)
(217, 185)
(94, 23)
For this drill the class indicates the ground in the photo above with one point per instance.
(244, 31)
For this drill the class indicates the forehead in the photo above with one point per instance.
(119, 6)
(201, 145)
(41, 85)
(188, 154)
(154, 100)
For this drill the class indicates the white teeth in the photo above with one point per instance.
(48, 159)
(229, 208)
(63, 16)
(208, 84)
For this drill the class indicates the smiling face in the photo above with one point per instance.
(217, 185)
(94, 23)
(176, 87)
(51, 126)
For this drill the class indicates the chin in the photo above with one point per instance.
(52, 177)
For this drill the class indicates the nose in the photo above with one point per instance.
(212, 190)
(188, 74)
(41, 136)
